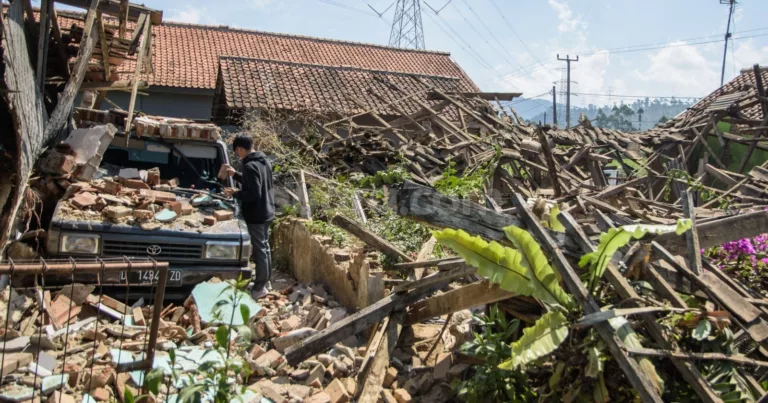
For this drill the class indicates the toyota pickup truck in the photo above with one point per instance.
(194, 253)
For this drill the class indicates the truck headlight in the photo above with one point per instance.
(82, 244)
(222, 250)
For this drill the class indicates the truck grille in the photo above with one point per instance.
(167, 250)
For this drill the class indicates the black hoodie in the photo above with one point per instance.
(257, 200)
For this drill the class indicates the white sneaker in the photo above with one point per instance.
(259, 294)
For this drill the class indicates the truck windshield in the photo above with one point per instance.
(206, 159)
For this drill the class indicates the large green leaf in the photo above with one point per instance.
(547, 278)
(538, 340)
(554, 223)
(631, 340)
(615, 238)
(504, 266)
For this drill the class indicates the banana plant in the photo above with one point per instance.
(616, 238)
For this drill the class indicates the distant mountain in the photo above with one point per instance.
(621, 115)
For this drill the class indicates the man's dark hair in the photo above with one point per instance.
(243, 141)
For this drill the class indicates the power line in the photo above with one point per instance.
(517, 36)
(635, 96)
(495, 38)
(519, 101)
(348, 7)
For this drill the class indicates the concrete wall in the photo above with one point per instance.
(164, 101)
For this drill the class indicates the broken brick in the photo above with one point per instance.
(257, 351)
(337, 392)
(153, 177)
(56, 163)
(158, 196)
(100, 394)
(292, 322)
(138, 317)
(350, 385)
(209, 220)
(175, 207)
(143, 215)
(271, 359)
(186, 208)
(390, 376)
(402, 396)
(84, 200)
(321, 397)
(135, 184)
(223, 215)
(387, 397)
(116, 212)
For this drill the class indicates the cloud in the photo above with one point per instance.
(682, 70)
(568, 22)
(261, 3)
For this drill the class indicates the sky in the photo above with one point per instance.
(512, 45)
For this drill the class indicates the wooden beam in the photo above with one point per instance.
(43, 41)
(62, 50)
(104, 47)
(424, 263)
(112, 7)
(63, 109)
(680, 355)
(764, 107)
(305, 209)
(466, 297)
(370, 238)
(692, 236)
(425, 204)
(720, 175)
(462, 271)
(550, 160)
(488, 96)
(644, 387)
(121, 85)
(354, 324)
(720, 231)
(136, 75)
(372, 379)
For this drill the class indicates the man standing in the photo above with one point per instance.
(257, 202)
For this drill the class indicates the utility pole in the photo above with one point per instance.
(554, 106)
(640, 119)
(568, 61)
(731, 4)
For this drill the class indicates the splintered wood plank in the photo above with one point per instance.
(475, 294)
(629, 366)
(717, 232)
(730, 298)
(370, 238)
(622, 287)
(550, 160)
(355, 323)
(373, 379)
(691, 236)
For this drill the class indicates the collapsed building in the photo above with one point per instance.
(369, 321)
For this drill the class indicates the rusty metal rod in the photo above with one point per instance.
(156, 311)
(66, 268)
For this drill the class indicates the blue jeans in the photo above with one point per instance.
(260, 254)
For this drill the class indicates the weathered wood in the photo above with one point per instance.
(136, 75)
(373, 379)
(689, 371)
(720, 175)
(425, 204)
(691, 236)
(488, 96)
(764, 106)
(63, 109)
(442, 276)
(370, 238)
(614, 190)
(679, 355)
(305, 211)
(354, 324)
(717, 232)
(25, 108)
(113, 7)
(423, 263)
(550, 160)
(602, 316)
(56, 30)
(605, 207)
(104, 47)
(636, 377)
(474, 294)
(576, 158)
(42, 42)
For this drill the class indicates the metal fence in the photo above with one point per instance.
(31, 348)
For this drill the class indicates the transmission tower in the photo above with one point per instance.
(407, 30)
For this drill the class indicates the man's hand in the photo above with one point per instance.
(230, 171)
(229, 191)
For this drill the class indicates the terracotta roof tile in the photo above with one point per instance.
(744, 82)
(250, 83)
(186, 55)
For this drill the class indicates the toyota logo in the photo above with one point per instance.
(154, 250)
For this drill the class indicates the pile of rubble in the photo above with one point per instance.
(78, 345)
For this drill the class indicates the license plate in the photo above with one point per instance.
(149, 277)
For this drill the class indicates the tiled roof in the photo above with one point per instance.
(186, 55)
(744, 83)
(254, 83)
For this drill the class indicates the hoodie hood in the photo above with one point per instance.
(255, 156)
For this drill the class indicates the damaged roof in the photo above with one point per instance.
(187, 55)
(254, 83)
